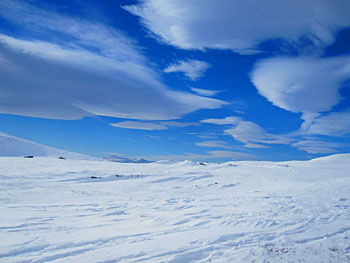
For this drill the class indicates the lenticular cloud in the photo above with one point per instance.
(241, 25)
(79, 74)
(302, 84)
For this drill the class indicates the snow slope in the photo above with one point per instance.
(14, 146)
(104, 212)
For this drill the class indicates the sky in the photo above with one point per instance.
(175, 79)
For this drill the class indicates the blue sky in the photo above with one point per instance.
(171, 79)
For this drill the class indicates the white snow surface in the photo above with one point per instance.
(61, 211)
(11, 146)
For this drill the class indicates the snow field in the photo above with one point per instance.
(97, 211)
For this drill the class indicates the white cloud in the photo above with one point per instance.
(255, 146)
(193, 69)
(241, 25)
(149, 126)
(213, 144)
(335, 124)
(228, 120)
(315, 146)
(205, 92)
(248, 132)
(91, 69)
(304, 84)
(162, 125)
(179, 124)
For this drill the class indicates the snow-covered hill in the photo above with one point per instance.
(87, 211)
(12, 146)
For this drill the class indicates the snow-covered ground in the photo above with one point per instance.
(85, 211)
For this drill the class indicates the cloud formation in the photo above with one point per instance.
(162, 125)
(228, 120)
(317, 146)
(302, 84)
(149, 126)
(179, 124)
(205, 92)
(248, 132)
(336, 124)
(213, 144)
(193, 69)
(79, 68)
(241, 25)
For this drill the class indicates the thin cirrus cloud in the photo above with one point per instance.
(179, 124)
(191, 68)
(90, 69)
(316, 146)
(241, 25)
(150, 126)
(205, 92)
(213, 144)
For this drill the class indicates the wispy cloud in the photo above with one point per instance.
(213, 144)
(256, 146)
(162, 125)
(228, 120)
(248, 132)
(139, 125)
(206, 92)
(193, 69)
(179, 124)
(80, 68)
(241, 25)
(316, 146)
(335, 124)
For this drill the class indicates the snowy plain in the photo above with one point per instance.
(55, 210)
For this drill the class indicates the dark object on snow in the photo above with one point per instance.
(29, 156)
(201, 163)
(95, 177)
(61, 158)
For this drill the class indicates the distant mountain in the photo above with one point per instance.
(11, 146)
(119, 159)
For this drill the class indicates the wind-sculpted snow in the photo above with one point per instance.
(84, 211)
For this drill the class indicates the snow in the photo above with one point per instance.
(103, 212)
(11, 146)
